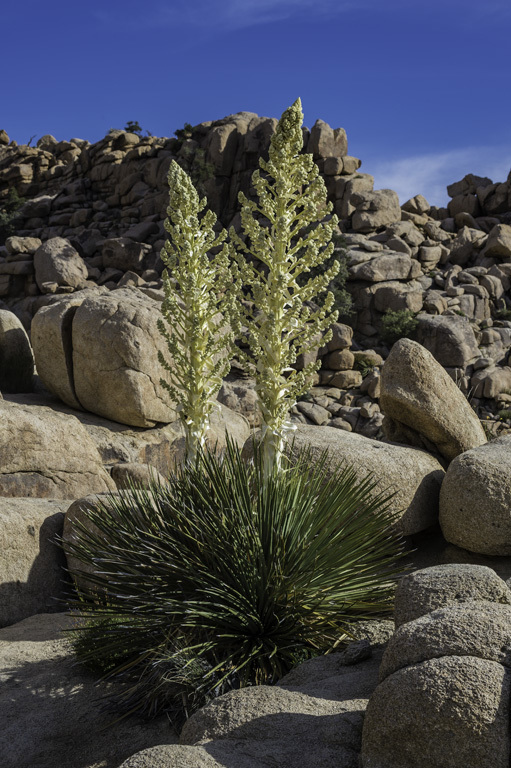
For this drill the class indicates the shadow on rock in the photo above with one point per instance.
(50, 707)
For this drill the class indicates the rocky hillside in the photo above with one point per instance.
(81, 228)
(92, 215)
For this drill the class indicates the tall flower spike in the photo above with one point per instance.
(293, 200)
(198, 305)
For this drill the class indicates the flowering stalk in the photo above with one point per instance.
(198, 304)
(292, 197)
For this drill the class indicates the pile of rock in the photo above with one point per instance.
(81, 288)
(444, 650)
(312, 718)
(347, 387)
(444, 696)
(93, 217)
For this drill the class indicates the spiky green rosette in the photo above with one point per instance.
(198, 304)
(292, 196)
(222, 579)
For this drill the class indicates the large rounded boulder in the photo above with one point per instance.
(475, 500)
(422, 404)
(412, 475)
(115, 358)
(51, 335)
(99, 351)
(475, 628)
(16, 357)
(57, 262)
(448, 712)
(421, 592)
(45, 454)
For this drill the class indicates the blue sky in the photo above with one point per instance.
(422, 88)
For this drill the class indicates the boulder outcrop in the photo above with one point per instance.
(445, 680)
(44, 454)
(31, 564)
(84, 270)
(475, 499)
(423, 406)
(99, 351)
(412, 475)
(93, 216)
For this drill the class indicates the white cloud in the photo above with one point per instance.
(243, 13)
(430, 174)
(229, 14)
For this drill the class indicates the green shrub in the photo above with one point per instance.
(398, 324)
(343, 303)
(9, 208)
(503, 314)
(182, 134)
(364, 364)
(193, 159)
(200, 171)
(133, 126)
(224, 579)
(87, 638)
(505, 414)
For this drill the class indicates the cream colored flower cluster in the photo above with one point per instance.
(284, 237)
(198, 305)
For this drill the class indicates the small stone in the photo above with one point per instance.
(339, 360)
(340, 423)
(345, 379)
(314, 413)
(17, 245)
(367, 411)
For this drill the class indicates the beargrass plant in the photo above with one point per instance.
(225, 578)
(199, 301)
(286, 236)
(234, 571)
